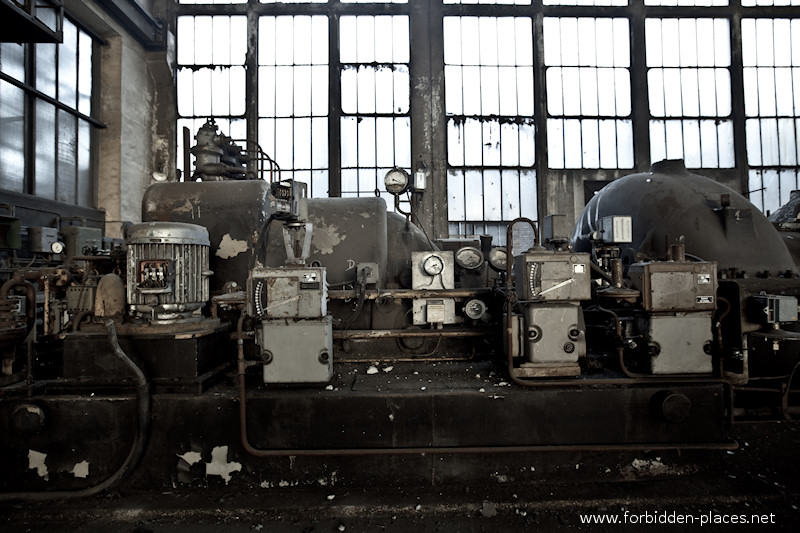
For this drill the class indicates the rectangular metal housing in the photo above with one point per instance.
(774, 308)
(681, 340)
(287, 292)
(615, 230)
(672, 286)
(298, 351)
(41, 239)
(553, 276)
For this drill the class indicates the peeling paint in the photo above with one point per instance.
(36, 462)
(229, 247)
(191, 458)
(326, 237)
(81, 470)
(219, 465)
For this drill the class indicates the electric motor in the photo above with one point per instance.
(167, 269)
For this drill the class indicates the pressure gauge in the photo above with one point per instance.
(396, 181)
(469, 258)
(498, 258)
(433, 265)
(57, 247)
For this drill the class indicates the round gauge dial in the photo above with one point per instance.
(498, 258)
(57, 247)
(433, 265)
(469, 258)
(396, 181)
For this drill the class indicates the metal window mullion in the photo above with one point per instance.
(737, 101)
(334, 109)
(640, 109)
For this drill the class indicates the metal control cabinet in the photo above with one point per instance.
(287, 293)
(679, 343)
(553, 276)
(296, 351)
(674, 286)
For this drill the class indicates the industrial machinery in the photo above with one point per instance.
(242, 323)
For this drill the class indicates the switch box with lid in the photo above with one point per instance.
(553, 276)
(668, 286)
(287, 293)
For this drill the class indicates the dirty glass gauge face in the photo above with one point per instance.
(498, 258)
(469, 258)
(396, 181)
(433, 265)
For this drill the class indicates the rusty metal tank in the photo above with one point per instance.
(668, 203)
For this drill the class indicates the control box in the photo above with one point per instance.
(287, 293)
(669, 286)
(543, 275)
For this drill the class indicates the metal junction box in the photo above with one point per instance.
(773, 308)
(674, 286)
(287, 293)
(42, 239)
(680, 342)
(296, 351)
(615, 230)
(78, 238)
(434, 311)
(553, 276)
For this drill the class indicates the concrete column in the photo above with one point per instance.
(429, 124)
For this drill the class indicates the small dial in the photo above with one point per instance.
(433, 265)
(469, 258)
(498, 258)
(396, 181)
(57, 247)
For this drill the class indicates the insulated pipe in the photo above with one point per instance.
(143, 403)
(422, 450)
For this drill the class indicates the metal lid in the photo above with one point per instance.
(167, 232)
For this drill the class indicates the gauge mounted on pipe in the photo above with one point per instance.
(396, 181)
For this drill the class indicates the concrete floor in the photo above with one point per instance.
(761, 478)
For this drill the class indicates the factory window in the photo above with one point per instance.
(526, 101)
(375, 123)
(490, 127)
(587, 64)
(293, 97)
(771, 59)
(211, 75)
(45, 108)
(689, 85)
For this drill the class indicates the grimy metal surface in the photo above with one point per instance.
(669, 203)
(411, 405)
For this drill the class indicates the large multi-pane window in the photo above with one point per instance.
(211, 75)
(526, 101)
(689, 93)
(45, 118)
(375, 122)
(587, 74)
(771, 57)
(490, 128)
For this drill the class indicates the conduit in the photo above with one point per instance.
(143, 404)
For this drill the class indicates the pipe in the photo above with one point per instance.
(422, 450)
(78, 318)
(143, 403)
(407, 294)
(402, 333)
